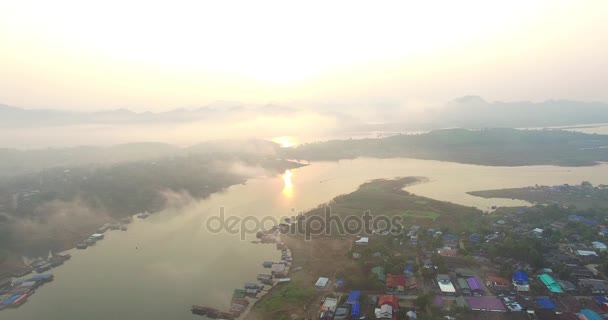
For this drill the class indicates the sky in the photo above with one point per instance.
(160, 55)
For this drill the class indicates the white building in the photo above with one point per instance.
(322, 283)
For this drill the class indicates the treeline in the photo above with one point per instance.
(499, 147)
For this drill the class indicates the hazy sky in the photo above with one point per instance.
(149, 55)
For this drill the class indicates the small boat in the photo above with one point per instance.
(123, 228)
(200, 310)
(227, 315)
(82, 246)
(44, 267)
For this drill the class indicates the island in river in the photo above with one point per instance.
(332, 255)
(584, 195)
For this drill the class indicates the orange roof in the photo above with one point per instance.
(498, 280)
(393, 301)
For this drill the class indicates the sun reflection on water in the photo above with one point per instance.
(288, 185)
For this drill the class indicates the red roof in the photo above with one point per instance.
(499, 281)
(395, 280)
(447, 252)
(393, 301)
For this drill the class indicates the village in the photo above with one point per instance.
(516, 267)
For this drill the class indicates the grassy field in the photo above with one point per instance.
(421, 214)
(388, 198)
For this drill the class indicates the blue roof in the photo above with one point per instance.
(600, 299)
(340, 282)
(590, 222)
(353, 297)
(450, 238)
(520, 277)
(354, 312)
(546, 303)
(591, 315)
(409, 267)
(474, 238)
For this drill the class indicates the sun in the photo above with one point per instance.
(285, 141)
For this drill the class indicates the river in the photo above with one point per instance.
(165, 263)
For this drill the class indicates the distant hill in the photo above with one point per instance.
(475, 112)
(18, 117)
(464, 112)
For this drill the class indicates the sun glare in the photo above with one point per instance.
(286, 141)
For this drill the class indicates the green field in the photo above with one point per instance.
(421, 214)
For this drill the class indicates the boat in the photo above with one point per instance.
(239, 293)
(23, 272)
(227, 315)
(123, 228)
(43, 277)
(82, 246)
(21, 300)
(143, 215)
(200, 310)
(44, 267)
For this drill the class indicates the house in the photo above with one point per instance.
(363, 241)
(521, 281)
(391, 300)
(485, 304)
(395, 283)
(582, 273)
(384, 312)
(567, 285)
(447, 252)
(353, 297)
(411, 284)
(464, 286)
(599, 246)
(445, 284)
(546, 303)
(475, 286)
(594, 285)
(589, 315)
(602, 302)
(550, 283)
(379, 272)
(330, 304)
(500, 283)
(465, 273)
(586, 253)
(321, 283)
